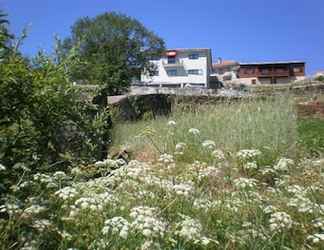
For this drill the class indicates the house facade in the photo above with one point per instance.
(271, 72)
(181, 68)
(226, 70)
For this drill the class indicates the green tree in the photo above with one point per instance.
(113, 49)
(5, 37)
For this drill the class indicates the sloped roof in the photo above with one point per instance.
(271, 62)
(225, 63)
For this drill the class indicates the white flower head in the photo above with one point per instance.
(218, 155)
(2, 168)
(172, 123)
(117, 225)
(180, 147)
(283, 164)
(209, 144)
(280, 221)
(316, 238)
(245, 183)
(248, 154)
(166, 158)
(194, 131)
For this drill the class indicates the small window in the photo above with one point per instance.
(172, 72)
(195, 72)
(171, 60)
(194, 56)
(297, 70)
(253, 81)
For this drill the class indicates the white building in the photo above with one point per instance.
(181, 68)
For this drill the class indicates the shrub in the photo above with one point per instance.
(44, 120)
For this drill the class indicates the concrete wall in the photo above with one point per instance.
(185, 64)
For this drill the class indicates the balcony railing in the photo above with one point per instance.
(172, 64)
(273, 73)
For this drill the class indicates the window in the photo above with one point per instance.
(195, 72)
(172, 72)
(297, 70)
(171, 60)
(194, 56)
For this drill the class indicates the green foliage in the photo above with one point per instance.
(113, 49)
(320, 78)
(311, 135)
(4, 36)
(44, 120)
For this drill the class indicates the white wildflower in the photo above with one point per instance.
(117, 225)
(319, 223)
(251, 165)
(245, 183)
(34, 209)
(66, 193)
(42, 224)
(108, 163)
(194, 131)
(209, 144)
(280, 221)
(191, 230)
(283, 164)
(248, 154)
(209, 171)
(303, 204)
(316, 238)
(172, 123)
(269, 209)
(218, 155)
(180, 147)
(10, 208)
(185, 189)
(203, 203)
(166, 158)
(2, 168)
(146, 222)
(60, 175)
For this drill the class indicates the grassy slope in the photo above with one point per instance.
(266, 125)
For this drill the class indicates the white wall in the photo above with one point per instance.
(187, 64)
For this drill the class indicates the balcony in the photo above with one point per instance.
(177, 63)
(273, 72)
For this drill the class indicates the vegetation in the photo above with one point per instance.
(311, 135)
(198, 193)
(268, 125)
(45, 123)
(113, 49)
(320, 78)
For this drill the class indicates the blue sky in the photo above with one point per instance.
(244, 30)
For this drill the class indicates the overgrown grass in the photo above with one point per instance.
(268, 125)
(311, 135)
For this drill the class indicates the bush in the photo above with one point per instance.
(320, 78)
(45, 121)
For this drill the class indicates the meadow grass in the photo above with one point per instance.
(268, 124)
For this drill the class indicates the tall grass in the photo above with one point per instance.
(268, 125)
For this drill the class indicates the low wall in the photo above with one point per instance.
(134, 90)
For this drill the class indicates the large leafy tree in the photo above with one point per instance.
(113, 49)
